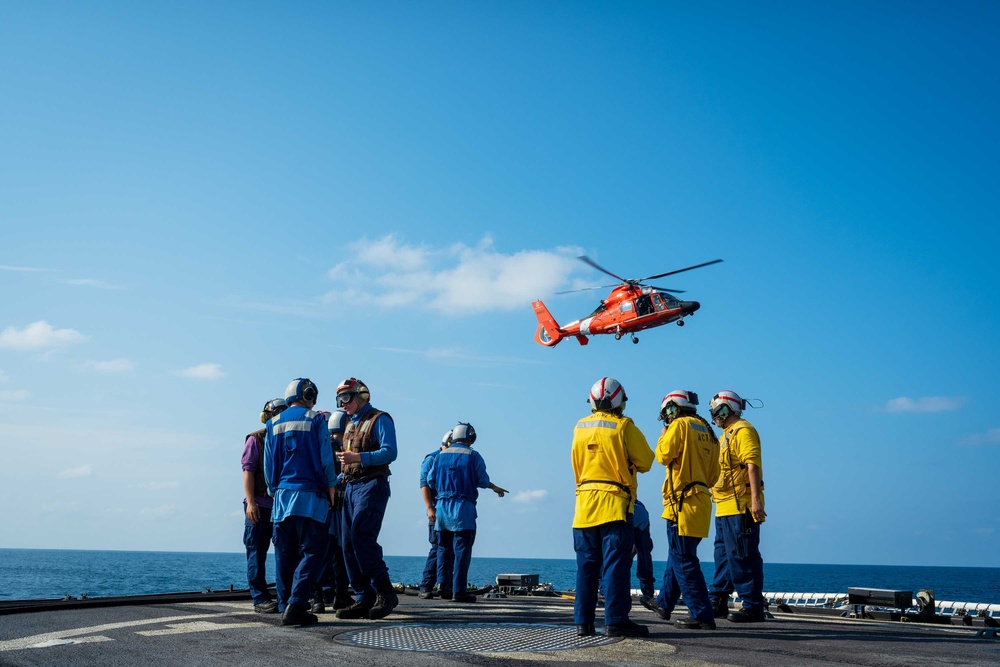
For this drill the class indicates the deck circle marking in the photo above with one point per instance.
(473, 637)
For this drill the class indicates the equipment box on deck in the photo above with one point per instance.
(517, 580)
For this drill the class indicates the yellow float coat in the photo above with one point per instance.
(691, 454)
(739, 448)
(607, 453)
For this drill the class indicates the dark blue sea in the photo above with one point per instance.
(51, 573)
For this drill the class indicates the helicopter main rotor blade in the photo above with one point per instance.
(585, 289)
(670, 273)
(600, 268)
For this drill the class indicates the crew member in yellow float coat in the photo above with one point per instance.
(608, 449)
(689, 450)
(739, 511)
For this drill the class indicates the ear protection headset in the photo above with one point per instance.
(301, 389)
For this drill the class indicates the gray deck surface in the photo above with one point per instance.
(229, 633)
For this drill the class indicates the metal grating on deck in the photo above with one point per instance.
(473, 637)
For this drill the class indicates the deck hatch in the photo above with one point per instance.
(473, 637)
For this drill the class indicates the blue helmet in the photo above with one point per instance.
(463, 433)
(338, 421)
(301, 389)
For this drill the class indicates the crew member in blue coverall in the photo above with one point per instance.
(429, 579)
(455, 477)
(333, 587)
(369, 448)
(643, 542)
(300, 474)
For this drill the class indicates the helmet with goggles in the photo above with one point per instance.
(678, 402)
(726, 403)
(273, 407)
(350, 388)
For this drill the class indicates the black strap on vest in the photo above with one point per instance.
(623, 487)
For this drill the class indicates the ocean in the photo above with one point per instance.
(28, 574)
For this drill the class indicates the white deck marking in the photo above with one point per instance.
(198, 626)
(27, 642)
(64, 642)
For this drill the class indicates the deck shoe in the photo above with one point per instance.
(266, 607)
(585, 630)
(626, 629)
(318, 607)
(357, 610)
(691, 623)
(425, 594)
(720, 606)
(746, 616)
(650, 604)
(445, 594)
(386, 601)
(342, 602)
(463, 597)
(296, 615)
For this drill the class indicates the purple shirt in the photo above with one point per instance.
(252, 463)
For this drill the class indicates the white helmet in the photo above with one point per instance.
(463, 433)
(337, 422)
(446, 439)
(607, 394)
(273, 407)
(726, 402)
(677, 401)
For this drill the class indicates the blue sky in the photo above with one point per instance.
(200, 203)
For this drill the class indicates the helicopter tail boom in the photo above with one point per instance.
(548, 333)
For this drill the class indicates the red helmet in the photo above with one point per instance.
(607, 394)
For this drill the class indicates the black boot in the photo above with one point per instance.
(720, 606)
(357, 610)
(385, 602)
(296, 615)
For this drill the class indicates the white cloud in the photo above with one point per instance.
(159, 511)
(72, 473)
(15, 395)
(113, 366)
(22, 269)
(38, 336)
(991, 437)
(90, 282)
(453, 280)
(530, 496)
(157, 486)
(203, 372)
(926, 404)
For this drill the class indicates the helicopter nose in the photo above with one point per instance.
(690, 306)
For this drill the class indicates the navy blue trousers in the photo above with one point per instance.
(603, 560)
(431, 566)
(738, 563)
(683, 576)
(299, 546)
(644, 560)
(364, 508)
(333, 583)
(256, 537)
(453, 559)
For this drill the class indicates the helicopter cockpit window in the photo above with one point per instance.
(626, 306)
(597, 311)
(658, 303)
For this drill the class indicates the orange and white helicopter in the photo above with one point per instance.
(631, 307)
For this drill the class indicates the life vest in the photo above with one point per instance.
(690, 474)
(259, 483)
(359, 438)
(295, 451)
(455, 474)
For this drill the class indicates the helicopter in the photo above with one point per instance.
(632, 306)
